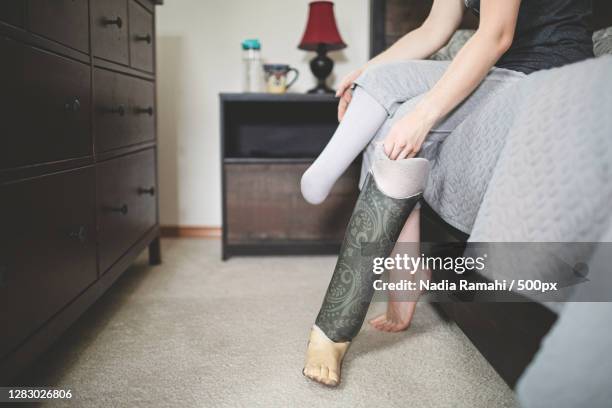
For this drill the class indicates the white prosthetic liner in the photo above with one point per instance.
(399, 178)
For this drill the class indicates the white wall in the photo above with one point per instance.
(198, 56)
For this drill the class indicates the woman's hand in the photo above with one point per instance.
(345, 93)
(465, 73)
(408, 134)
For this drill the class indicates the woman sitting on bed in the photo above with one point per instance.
(514, 39)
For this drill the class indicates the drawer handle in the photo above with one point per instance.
(150, 191)
(146, 38)
(123, 210)
(113, 21)
(80, 234)
(148, 111)
(73, 106)
(119, 110)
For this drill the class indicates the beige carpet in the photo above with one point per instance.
(198, 332)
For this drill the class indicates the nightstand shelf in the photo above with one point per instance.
(267, 142)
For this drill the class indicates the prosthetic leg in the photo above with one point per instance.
(390, 192)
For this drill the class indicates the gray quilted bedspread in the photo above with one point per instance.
(535, 165)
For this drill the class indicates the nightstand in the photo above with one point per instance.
(267, 142)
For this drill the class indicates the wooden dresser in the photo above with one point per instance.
(78, 161)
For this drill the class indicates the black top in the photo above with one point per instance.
(549, 33)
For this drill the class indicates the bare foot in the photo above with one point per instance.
(399, 310)
(324, 358)
(397, 318)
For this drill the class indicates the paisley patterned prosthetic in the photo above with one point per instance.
(374, 227)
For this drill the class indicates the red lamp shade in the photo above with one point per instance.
(321, 28)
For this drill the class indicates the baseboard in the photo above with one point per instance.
(179, 231)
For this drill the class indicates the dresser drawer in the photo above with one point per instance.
(65, 21)
(124, 110)
(50, 100)
(142, 38)
(47, 249)
(110, 30)
(11, 103)
(263, 200)
(12, 12)
(127, 206)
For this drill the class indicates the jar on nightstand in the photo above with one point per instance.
(252, 69)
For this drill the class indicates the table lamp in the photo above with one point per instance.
(321, 35)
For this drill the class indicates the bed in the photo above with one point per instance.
(507, 334)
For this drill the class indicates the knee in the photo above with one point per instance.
(377, 71)
(412, 77)
(373, 70)
(404, 68)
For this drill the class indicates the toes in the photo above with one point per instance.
(378, 319)
(387, 326)
(378, 322)
(383, 323)
(334, 377)
(378, 325)
(315, 373)
(311, 371)
(329, 377)
(324, 374)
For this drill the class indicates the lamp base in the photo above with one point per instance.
(321, 66)
(321, 89)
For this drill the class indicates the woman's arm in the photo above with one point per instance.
(468, 69)
(437, 29)
(444, 18)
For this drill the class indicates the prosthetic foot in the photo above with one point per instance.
(389, 194)
(324, 358)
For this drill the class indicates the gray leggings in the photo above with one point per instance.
(399, 86)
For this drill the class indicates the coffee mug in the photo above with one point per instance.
(277, 77)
